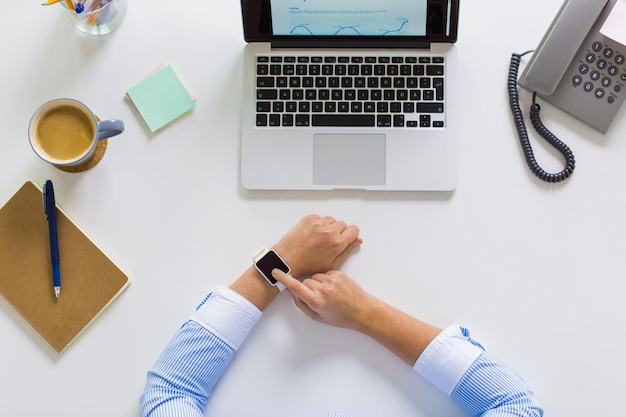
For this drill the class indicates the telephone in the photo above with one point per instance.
(576, 68)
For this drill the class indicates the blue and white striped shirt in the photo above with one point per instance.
(181, 381)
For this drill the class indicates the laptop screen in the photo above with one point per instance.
(348, 17)
(400, 22)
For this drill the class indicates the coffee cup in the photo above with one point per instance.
(64, 132)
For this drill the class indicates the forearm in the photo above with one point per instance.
(184, 375)
(491, 388)
(476, 381)
(253, 287)
(402, 334)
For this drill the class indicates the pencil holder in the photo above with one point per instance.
(96, 17)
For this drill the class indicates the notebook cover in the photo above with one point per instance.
(90, 281)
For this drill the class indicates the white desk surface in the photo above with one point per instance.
(536, 271)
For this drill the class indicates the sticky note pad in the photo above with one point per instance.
(161, 98)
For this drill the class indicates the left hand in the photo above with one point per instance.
(317, 244)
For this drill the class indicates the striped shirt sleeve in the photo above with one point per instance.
(475, 380)
(181, 381)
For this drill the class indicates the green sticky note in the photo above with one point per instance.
(161, 98)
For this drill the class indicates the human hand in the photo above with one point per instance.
(317, 244)
(332, 298)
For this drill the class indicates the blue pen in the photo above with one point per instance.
(50, 209)
(80, 6)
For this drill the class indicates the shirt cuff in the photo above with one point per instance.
(228, 315)
(447, 358)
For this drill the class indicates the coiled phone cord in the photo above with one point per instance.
(520, 126)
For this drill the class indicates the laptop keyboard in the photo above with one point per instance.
(357, 91)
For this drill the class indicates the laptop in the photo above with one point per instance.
(350, 95)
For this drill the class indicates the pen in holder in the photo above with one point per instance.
(96, 17)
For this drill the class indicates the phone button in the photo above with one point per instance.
(583, 68)
(588, 86)
(577, 80)
(590, 58)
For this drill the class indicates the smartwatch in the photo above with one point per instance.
(265, 261)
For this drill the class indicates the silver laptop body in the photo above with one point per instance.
(288, 145)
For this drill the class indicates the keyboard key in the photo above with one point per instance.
(302, 120)
(287, 119)
(265, 82)
(261, 119)
(349, 120)
(263, 94)
(398, 120)
(383, 120)
(438, 84)
(434, 70)
(263, 106)
(429, 108)
(274, 119)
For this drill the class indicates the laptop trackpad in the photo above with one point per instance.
(349, 159)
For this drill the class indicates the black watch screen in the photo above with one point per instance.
(268, 263)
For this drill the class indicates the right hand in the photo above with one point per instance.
(335, 299)
(332, 298)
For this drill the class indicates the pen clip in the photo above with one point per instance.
(48, 198)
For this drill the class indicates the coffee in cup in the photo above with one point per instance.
(64, 132)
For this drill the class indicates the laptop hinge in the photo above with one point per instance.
(359, 43)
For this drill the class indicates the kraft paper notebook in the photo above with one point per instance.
(90, 281)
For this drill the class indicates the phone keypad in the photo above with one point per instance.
(601, 72)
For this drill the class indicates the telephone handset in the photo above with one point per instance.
(575, 68)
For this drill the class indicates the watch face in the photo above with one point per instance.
(269, 262)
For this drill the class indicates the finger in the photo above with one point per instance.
(294, 286)
(305, 308)
(339, 259)
(328, 220)
(350, 233)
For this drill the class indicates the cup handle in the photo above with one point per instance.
(109, 128)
